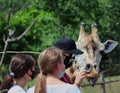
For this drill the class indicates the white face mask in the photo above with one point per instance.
(62, 73)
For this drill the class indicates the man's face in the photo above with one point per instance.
(68, 59)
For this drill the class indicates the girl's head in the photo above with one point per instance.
(49, 59)
(21, 65)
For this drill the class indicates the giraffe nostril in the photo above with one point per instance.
(96, 67)
(88, 67)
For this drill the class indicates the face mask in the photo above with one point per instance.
(62, 73)
(33, 74)
(67, 61)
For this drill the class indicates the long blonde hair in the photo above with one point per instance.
(47, 61)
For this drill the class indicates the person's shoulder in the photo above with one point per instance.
(16, 89)
(72, 89)
(31, 90)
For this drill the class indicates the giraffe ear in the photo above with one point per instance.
(109, 45)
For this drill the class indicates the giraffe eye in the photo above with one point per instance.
(95, 66)
(94, 48)
(78, 67)
(87, 49)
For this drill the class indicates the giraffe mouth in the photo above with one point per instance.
(92, 81)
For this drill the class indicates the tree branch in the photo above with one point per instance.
(20, 36)
(12, 39)
(3, 55)
(6, 41)
(10, 11)
(26, 52)
(55, 6)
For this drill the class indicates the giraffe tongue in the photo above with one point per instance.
(92, 81)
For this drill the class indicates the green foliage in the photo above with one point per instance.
(55, 14)
(3, 71)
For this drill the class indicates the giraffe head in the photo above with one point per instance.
(92, 49)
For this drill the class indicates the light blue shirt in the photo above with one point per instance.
(16, 89)
(63, 88)
(60, 88)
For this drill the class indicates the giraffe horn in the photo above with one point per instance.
(82, 31)
(94, 29)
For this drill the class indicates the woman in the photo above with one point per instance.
(21, 70)
(52, 68)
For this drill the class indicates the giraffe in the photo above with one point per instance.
(92, 49)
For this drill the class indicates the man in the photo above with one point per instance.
(69, 47)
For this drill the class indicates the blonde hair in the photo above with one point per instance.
(47, 61)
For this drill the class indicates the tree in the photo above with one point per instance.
(58, 18)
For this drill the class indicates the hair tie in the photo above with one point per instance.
(44, 73)
(12, 74)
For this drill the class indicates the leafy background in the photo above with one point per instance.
(58, 18)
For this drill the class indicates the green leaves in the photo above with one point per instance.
(57, 17)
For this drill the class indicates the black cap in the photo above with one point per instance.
(67, 44)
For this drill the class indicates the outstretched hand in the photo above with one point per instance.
(80, 76)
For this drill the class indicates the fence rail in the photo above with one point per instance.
(102, 83)
(16, 52)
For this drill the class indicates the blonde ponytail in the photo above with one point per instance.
(40, 86)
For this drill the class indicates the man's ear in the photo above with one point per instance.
(109, 45)
(29, 72)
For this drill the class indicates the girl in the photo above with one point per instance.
(21, 70)
(52, 68)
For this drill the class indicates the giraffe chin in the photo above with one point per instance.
(92, 81)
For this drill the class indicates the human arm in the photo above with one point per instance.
(79, 77)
